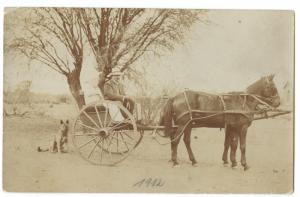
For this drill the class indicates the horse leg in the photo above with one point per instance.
(233, 147)
(175, 138)
(243, 134)
(187, 141)
(226, 146)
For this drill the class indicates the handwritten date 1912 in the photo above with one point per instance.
(149, 182)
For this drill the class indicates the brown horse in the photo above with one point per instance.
(198, 109)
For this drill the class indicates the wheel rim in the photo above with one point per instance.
(101, 140)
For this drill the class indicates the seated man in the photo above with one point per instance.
(113, 90)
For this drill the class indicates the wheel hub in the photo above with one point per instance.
(103, 133)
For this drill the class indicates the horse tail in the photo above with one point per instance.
(167, 117)
(39, 149)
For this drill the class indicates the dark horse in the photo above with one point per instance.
(192, 109)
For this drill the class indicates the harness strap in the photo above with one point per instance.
(188, 105)
(261, 101)
(223, 102)
(224, 108)
(245, 100)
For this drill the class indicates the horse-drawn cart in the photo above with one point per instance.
(105, 132)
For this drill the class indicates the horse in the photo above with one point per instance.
(194, 109)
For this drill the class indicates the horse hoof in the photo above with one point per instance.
(195, 164)
(176, 165)
(225, 164)
(170, 160)
(246, 167)
(234, 166)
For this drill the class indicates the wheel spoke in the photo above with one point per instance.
(118, 144)
(100, 121)
(101, 153)
(117, 139)
(124, 141)
(94, 147)
(116, 126)
(83, 134)
(80, 122)
(113, 117)
(129, 137)
(109, 145)
(91, 119)
(86, 143)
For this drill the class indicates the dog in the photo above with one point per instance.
(59, 142)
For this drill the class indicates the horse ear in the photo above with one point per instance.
(61, 122)
(271, 77)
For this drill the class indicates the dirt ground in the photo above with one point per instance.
(269, 154)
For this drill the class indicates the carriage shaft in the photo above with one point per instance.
(151, 127)
(272, 115)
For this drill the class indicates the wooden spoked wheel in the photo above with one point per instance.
(105, 133)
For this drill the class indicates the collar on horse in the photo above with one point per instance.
(188, 104)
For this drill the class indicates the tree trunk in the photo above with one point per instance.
(101, 82)
(75, 88)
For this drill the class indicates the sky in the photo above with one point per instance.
(235, 49)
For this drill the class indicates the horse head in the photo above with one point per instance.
(266, 89)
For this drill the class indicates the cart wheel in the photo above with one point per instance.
(105, 133)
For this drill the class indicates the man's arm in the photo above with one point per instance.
(109, 94)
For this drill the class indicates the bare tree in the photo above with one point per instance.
(119, 37)
(53, 37)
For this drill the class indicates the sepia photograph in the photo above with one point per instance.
(148, 100)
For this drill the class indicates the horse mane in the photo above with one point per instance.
(255, 88)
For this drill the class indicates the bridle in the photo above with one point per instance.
(268, 99)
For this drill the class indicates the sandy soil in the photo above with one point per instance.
(269, 154)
